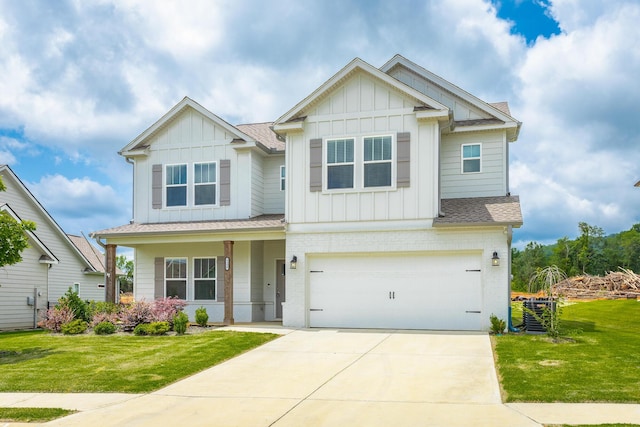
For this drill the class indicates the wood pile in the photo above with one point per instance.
(616, 284)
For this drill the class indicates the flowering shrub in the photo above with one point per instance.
(104, 317)
(57, 316)
(134, 314)
(164, 310)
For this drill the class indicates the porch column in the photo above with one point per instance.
(228, 282)
(110, 273)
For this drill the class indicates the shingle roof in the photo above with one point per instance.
(502, 106)
(480, 211)
(262, 222)
(262, 132)
(89, 251)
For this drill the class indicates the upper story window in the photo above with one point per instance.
(176, 184)
(471, 156)
(340, 164)
(282, 178)
(204, 278)
(204, 186)
(377, 161)
(176, 277)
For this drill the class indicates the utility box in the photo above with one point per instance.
(30, 301)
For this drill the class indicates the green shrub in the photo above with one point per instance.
(497, 325)
(74, 327)
(201, 316)
(153, 328)
(180, 322)
(104, 328)
(80, 308)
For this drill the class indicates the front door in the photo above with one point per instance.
(281, 269)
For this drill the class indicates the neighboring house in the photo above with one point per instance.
(397, 208)
(50, 265)
(95, 276)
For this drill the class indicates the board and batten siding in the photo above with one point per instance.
(273, 196)
(257, 185)
(461, 110)
(491, 181)
(189, 138)
(362, 106)
(17, 283)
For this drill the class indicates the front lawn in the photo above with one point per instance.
(599, 364)
(30, 415)
(41, 362)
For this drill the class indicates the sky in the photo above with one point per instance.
(79, 80)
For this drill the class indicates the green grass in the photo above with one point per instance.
(599, 364)
(29, 415)
(40, 362)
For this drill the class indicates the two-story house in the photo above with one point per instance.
(397, 208)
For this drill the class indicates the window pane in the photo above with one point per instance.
(377, 174)
(205, 289)
(177, 288)
(469, 151)
(176, 174)
(331, 152)
(205, 194)
(348, 150)
(471, 165)
(204, 172)
(340, 176)
(386, 148)
(368, 149)
(177, 196)
(204, 268)
(176, 268)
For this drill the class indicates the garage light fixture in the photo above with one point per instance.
(294, 263)
(495, 259)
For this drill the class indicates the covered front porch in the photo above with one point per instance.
(233, 268)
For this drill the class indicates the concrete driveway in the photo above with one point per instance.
(331, 378)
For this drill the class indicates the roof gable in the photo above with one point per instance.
(468, 110)
(300, 110)
(46, 253)
(141, 142)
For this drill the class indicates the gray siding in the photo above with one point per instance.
(273, 196)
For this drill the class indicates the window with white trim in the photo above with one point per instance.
(204, 183)
(471, 158)
(175, 277)
(340, 163)
(204, 278)
(176, 185)
(282, 178)
(377, 161)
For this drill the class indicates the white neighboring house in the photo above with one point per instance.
(50, 265)
(396, 211)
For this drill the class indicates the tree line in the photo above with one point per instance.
(590, 253)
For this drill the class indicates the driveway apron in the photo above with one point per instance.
(331, 378)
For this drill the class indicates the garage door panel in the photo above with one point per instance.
(414, 292)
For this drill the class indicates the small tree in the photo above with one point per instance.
(544, 280)
(13, 237)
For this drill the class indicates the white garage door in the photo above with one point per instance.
(416, 291)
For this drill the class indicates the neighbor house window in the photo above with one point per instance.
(471, 155)
(282, 178)
(377, 161)
(204, 186)
(340, 167)
(176, 277)
(204, 278)
(176, 184)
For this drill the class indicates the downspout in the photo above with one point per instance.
(509, 240)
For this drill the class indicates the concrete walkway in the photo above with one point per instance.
(333, 378)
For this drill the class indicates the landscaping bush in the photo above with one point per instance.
(104, 328)
(202, 317)
(102, 307)
(80, 308)
(497, 325)
(56, 317)
(153, 328)
(134, 314)
(180, 322)
(165, 309)
(74, 327)
(104, 317)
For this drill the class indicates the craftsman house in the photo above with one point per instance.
(382, 197)
(50, 265)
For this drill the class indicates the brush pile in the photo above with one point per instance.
(617, 284)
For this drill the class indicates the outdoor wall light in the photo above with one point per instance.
(495, 259)
(294, 263)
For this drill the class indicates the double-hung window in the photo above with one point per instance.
(377, 161)
(204, 185)
(176, 277)
(340, 164)
(471, 156)
(176, 185)
(204, 278)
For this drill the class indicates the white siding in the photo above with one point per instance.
(361, 107)
(462, 110)
(273, 196)
(491, 181)
(257, 185)
(188, 138)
